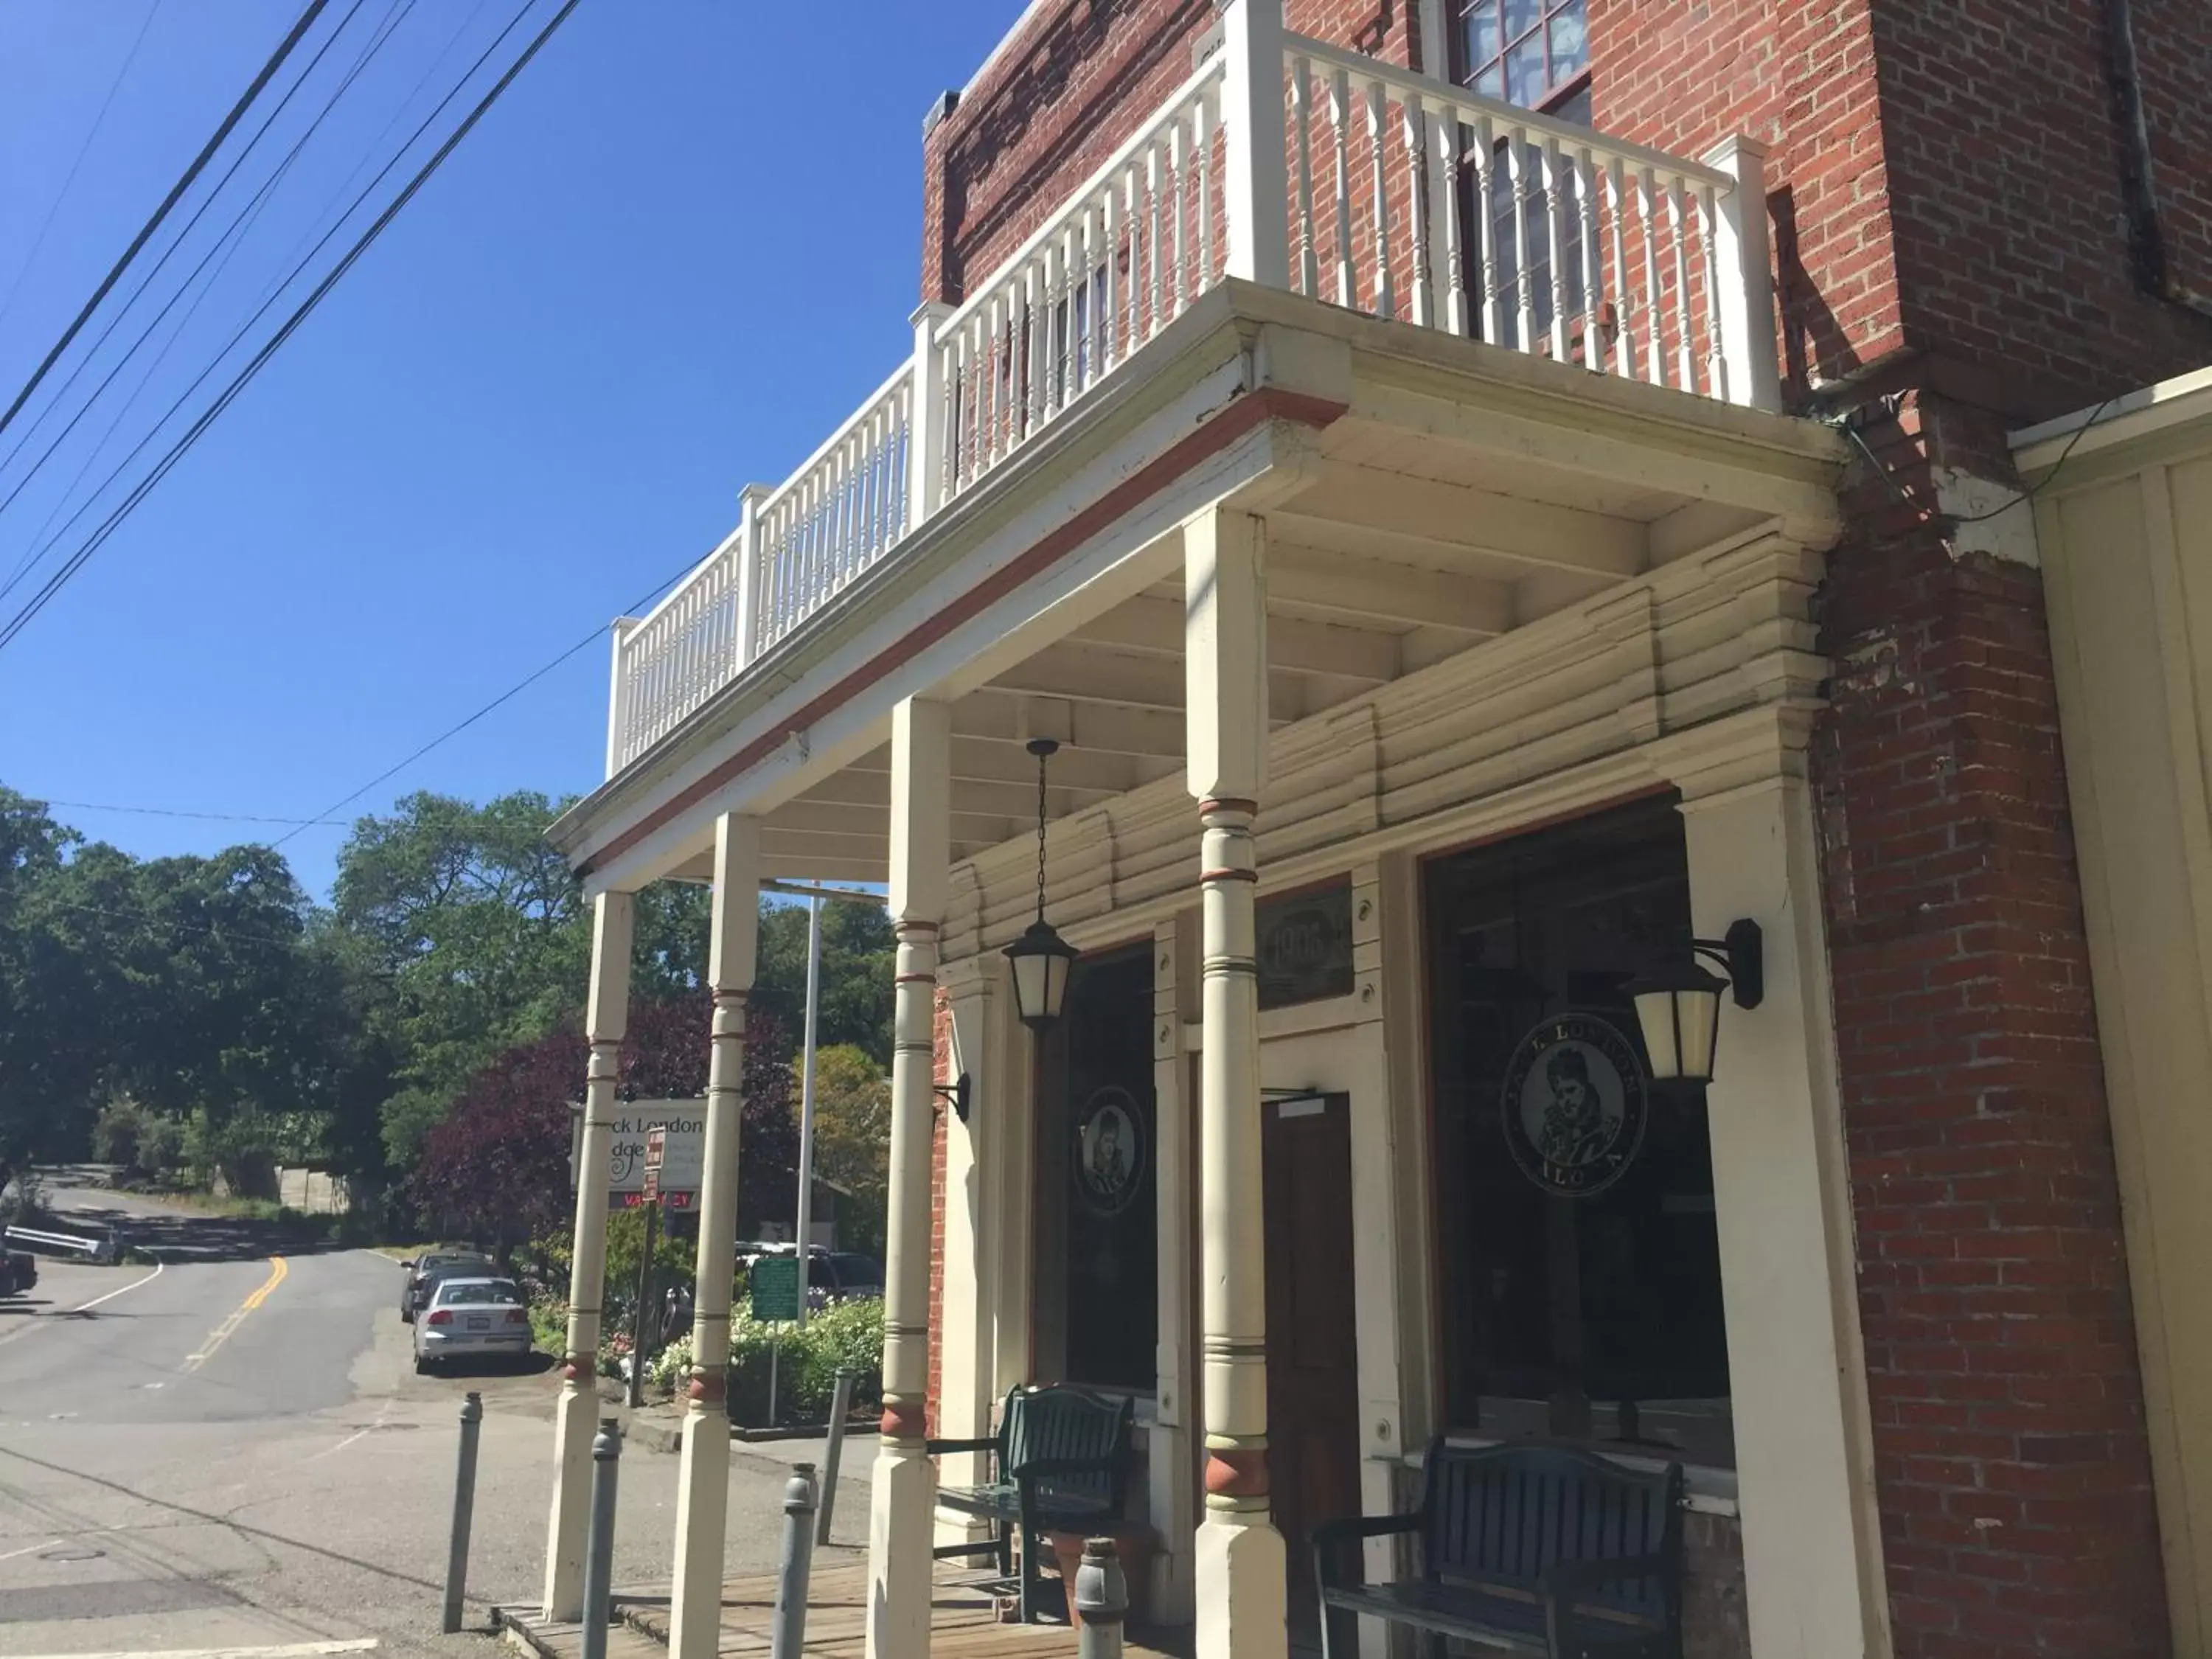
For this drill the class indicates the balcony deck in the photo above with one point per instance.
(1283, 161)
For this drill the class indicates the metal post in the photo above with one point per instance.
(465, 1503)
(806, 1105)
(638, 1325)
(599, 1541)
(840, 1407)
(775, 1357)
(790, 1632)
(1102, 1598)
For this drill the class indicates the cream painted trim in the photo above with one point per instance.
(1702, 658)
(2124, 420)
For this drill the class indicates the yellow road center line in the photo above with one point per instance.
(278, 1271)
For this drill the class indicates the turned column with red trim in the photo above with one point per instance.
(1239, 1561)
(606, 1020)
(702, 1491)
(904, 1490)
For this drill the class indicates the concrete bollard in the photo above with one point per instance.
(840, 1408)
(790, 1632)
(600, 1539)
(465, 1503)
(1101, 1599)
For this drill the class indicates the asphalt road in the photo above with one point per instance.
(233, 1452)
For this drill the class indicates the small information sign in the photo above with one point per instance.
(774, 1284)
(656, 1148)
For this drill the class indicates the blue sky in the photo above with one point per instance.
(680, 250)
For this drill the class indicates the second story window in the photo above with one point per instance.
(1535, 53)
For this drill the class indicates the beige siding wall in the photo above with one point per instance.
(2127, 554)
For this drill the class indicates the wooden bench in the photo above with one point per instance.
(1058, 1464)
(1529, 1548)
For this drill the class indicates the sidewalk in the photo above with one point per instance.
(963, 1623)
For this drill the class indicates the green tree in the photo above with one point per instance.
(853, 1136)
(49, 1016)
(859, 959)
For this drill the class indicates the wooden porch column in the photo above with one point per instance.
(968, 1304)
(1239, 1558)
(575, 1419)
(899, 1532)
(702, 1494)
(1813, 1586)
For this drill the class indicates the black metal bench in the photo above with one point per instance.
(1059, 1463)
(1530, 1548)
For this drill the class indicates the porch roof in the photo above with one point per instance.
(1424, 496)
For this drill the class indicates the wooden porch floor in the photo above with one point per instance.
(964, 1623)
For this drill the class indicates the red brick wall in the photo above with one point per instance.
(2012, 250)
(1801, 79)
(2011, 1462)
(1062, 96)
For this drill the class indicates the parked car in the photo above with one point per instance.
(433, 1264)
(471, 1318)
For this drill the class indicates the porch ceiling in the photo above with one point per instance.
(1399, 550)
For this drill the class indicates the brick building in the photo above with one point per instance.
(1559, 502)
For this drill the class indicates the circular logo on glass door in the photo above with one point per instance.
(1109, 1151)
(1573, 1104)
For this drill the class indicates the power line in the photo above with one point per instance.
(172, 812)
(207, 201)
(146, 918)
(38, 242)
(207, 152)
(53, 585)
(513, 691)
(233, 237)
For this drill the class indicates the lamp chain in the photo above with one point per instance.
(1041, 763)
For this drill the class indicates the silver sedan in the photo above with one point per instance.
(472, 1319)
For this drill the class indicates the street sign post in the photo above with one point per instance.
(656, 1150)
(774, 1284)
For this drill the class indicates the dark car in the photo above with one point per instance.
(435, 1264)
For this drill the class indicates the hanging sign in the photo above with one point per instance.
(1573, 1105)
(683, 1160)
(1109, 1151)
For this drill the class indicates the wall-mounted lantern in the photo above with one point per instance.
(1679, 1006)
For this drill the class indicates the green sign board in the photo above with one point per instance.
(774, 1282)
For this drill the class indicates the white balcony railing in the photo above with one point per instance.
(1284, 160)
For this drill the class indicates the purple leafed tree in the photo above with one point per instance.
(497, 1168)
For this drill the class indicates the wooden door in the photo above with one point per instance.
(1313, 1377)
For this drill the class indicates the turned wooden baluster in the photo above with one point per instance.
(1386, 293)
(1679, 213)
(1654, 329)
(1339, 124)
(1309, 267)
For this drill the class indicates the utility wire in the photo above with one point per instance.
(38, 242)
(207, 201)
(53, 585)
(207, 152)
(513, 691)
(1888, 477)
(172, 812)
(241, 228)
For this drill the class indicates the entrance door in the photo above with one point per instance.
(1313, 1379)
